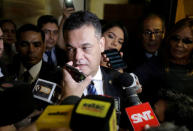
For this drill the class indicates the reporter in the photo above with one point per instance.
(115, 34)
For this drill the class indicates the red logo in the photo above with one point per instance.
(141, 115)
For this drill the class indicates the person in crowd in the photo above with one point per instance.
(53, 54)
(1, 49)
(9, 31)
(178, 58)
(116, 36)
(1, 42)
(82, 33)
(150, 37)
(3, 68)
(66, 13)
(174, 69)
(170, 106)
(28, 65)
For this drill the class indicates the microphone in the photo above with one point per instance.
(130, 84)
(94, 113)
(46, 91)
(55, 116)
(91, 113)
(140, 114)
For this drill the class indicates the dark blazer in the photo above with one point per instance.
(111, 84)
(113, 87)
(61, 56)
(47, 71)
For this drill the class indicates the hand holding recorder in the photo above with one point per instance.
(74, 82)
(113, 59)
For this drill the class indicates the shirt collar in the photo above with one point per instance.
(98, 75)
(149, 55)
(33, 71)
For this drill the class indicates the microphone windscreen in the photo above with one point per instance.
(142, 115)
(126, 80)
(94, 113)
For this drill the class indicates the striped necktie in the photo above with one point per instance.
(26, 77)
(91, 89)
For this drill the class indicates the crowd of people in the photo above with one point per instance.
(162, 62)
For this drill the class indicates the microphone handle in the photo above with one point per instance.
(132, 97)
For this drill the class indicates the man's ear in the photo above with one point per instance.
(102, 44)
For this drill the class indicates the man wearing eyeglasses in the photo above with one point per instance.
(153, 30)
(53, 54)
(152, 35)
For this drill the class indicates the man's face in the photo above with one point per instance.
(1, 43)
(84, 49)
(51, 35)
(153, 34)
(9, 32)
(30, 48)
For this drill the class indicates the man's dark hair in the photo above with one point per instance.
(81, 18)
(152, 15)
(7, 21)
(29, 27)
(179, 107)
(46, 19)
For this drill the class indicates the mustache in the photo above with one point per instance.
(81, 62)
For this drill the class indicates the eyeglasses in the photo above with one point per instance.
(150, 33)
(55, 32)
(177, 39)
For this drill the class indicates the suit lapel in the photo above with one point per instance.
(107, 82)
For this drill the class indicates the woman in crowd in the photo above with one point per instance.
(179, 59)
(116, 36)
(174, 70)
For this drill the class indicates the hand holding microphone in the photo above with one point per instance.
(140, 114)
(72, 87)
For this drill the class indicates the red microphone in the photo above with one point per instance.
(142, 115)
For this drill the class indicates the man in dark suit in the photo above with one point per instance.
(28, 65)
(84, 49)
(28, 62)
(82, 33)
(149, 42)
(53, 54)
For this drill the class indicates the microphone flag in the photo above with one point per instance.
(55, 116)
(141, 115)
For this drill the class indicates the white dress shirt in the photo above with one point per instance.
(98, 83)
(53, 56)
(149, 55)
(33, 71)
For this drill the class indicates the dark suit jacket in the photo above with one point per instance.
(47, 71)
(112, 87)
(61, 56)
(111, 84)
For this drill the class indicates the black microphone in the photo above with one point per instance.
(94, 113)
(139, 114)
(130, 84)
